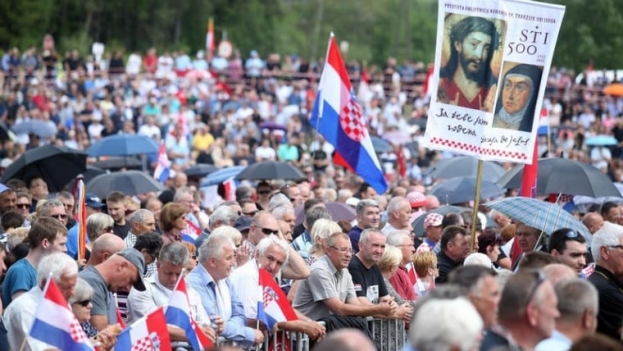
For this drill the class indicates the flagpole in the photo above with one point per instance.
(472, 242)
(257, 317)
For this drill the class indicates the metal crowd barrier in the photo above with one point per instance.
(278, 342)
(389, 334)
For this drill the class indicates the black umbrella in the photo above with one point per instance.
(564, 176)
(271, 170)
(89, 174)
(115, 163)
(418, 224)
(57, 165)
(458, 190)
(130, 183)
(462, 166)
(200, 170)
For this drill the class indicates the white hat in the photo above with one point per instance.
(6, 162)
(353, 201)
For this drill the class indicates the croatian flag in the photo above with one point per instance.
(272, 304)
(82, 220)
(55, 324)
(147, 333)
(163, 166)
(230, 189)
(338, 117)
(178, 314)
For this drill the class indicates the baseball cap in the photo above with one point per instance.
(136, 258)
(93, 201)
(416, 199)
(352, 201)
(432, 220)
(242, 223)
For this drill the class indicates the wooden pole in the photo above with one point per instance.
(472, 242)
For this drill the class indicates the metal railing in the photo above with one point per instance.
(389, 334)
(279, 341)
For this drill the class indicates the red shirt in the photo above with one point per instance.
(401, 282)
(452, 89)
(149, 61)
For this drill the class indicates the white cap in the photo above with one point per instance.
(353, 201)
(6, 162)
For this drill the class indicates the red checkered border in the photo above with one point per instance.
(478, 150)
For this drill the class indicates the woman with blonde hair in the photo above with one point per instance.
(388, 264)
(319, 233)
(425, 265)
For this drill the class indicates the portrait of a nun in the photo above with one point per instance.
(517, 99)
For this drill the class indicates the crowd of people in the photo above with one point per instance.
(344, 278)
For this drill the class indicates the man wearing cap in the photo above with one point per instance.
(368, 216)
(121, 272)
(432, 229)
(93, 205)
(398, 215)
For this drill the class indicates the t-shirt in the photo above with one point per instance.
(22, 276)
(368, 282)
(102, 298)
(121, 230)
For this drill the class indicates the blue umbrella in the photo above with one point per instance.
(601, 140)
(221, 175)
(123, 145)
(43, 129)
(461, 189)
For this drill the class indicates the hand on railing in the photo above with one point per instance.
(209, 332)
(314, 330)
(404, 312)
(259, 337)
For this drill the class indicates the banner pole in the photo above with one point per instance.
(472, 242)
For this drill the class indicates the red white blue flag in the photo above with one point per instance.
(163, 166)
(146, 334)
(273, 306)
(337, 116)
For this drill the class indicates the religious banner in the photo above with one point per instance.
(491, 67)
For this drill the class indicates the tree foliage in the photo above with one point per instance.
(374, 29)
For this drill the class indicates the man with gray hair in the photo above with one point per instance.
(398, 215)
(172, 261)
(218, 297)
(607, 250)
(368, 216)
(54, 208)
(578, 305)
(222, 215)
(19, 316)
(141, 221)
(402, 281)
(272, 255)
(304, 243)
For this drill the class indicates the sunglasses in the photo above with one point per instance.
(59, 216)
(250, 214)
(263, 192)
(571, 235)
(540, 279)
(83, 303)
(268, 231)
(22, 206)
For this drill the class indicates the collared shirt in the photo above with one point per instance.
(140, 303)
(246, 281)
(324, 282)
(130, 240)
(235, 329)
(388, 228)
(402, 283)
(18, 319)
(303, 244)
(557, 342)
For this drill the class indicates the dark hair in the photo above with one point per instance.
(362, 189)
(607, 206)
(45, 228)
(115, 196)
(11, 219)
(460, 30)
(243, 193)
(451, 219)
(467, 277)
(20, 251)
(536, 260)
(558, 239)
(596, 342)
(311, 203)
(449, 233)
(487, 238)
(151, 242)
(16, 184)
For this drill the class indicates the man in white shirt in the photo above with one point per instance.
(271, 254)
(173, 259)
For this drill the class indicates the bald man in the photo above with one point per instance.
(556, 272)
(593, 221)
(432, 202)
(103, 247)
(346, 340)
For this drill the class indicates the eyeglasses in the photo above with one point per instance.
(22, 206)
(540, 278)
(59, 216)
(250, 214)
(343, 250)
(616, 247)
(269, 231)
(83, 303)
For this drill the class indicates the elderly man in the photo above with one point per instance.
(218, 297)
(527, 309)
(529, 239)
(368, 216)
(185, 196)
(432, 230)
(405, 278)
(482, 289)
(103, 247)
(46, 236)
(285, 213)
(272, 255)
(593, 221)
(578, 306)
(55, 209)
(120, 272)
(454, 245)
(398, 215)
(223, 215)
(19, 316)
(570, 247)
(141, 221)
(172, 261)
(330, 289)
(607, 249)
